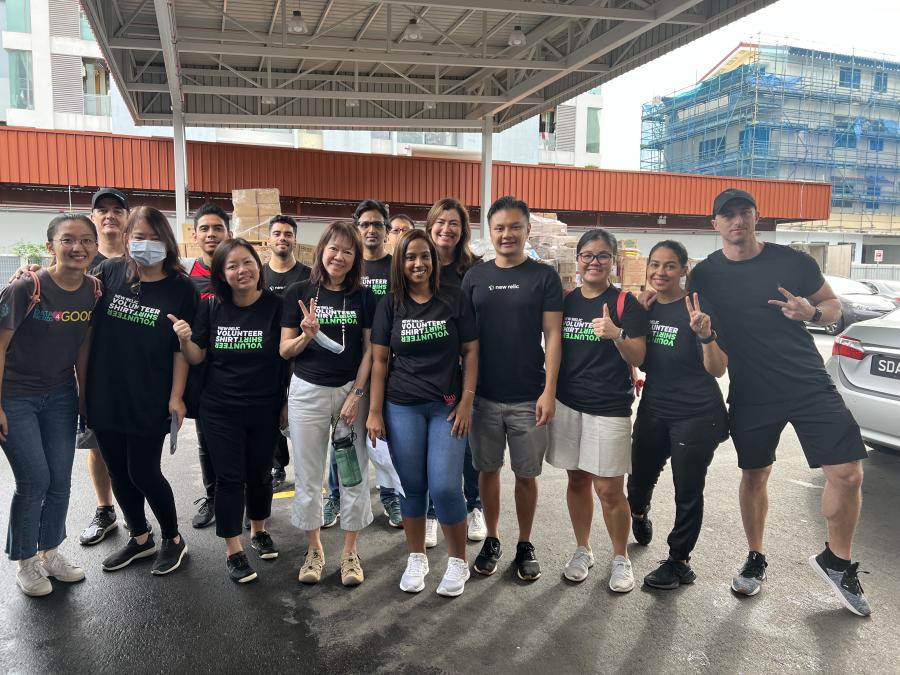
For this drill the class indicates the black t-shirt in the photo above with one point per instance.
(244, 367)
(130, 371)
(593, 376)
(200, 275)
(95, 263)
(450, 276)
(425, 340)
(277, 282)
(678, 386)
(377, 276)
(354, 311)
(770, 357)
(509, 306)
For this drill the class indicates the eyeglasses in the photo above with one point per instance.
(68, 242)
(587, 258)
(376, 224)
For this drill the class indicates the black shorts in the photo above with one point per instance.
(827, 431)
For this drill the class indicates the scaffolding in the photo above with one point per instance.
(789, 112)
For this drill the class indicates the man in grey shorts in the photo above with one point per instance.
(517, 302)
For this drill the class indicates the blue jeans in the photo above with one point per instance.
(470, 485)
(40, 447)
(385, 494)
(428, 459)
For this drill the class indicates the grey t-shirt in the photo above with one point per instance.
(41, 356)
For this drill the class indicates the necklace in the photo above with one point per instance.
(343, 313)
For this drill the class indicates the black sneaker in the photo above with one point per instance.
(104, 521)
(844, 583)
(262, 543)
(642, 529)
(486, 561)
(169, 557)
(239, 568)
(670, 574)
(749, 580)
(206, 514)
(129, 553)
(279, 478)
(527, 566)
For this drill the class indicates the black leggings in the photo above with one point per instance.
(134, 464)
(207, 471)
(241, 443)
(691, 444)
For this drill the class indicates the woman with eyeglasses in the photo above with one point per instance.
(682, 415)
(237, 331)
(604, 333)
(326, 327)
(44, 327)
(136, 379)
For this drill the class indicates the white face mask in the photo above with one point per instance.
(327, 343)
(147, 253)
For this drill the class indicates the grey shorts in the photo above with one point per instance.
(494, 425)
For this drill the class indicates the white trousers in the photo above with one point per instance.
(310, 410)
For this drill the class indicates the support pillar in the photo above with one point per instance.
(487, 139)
(181, 188)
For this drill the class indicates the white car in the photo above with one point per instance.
(865, 368)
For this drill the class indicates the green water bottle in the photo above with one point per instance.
(343, 440)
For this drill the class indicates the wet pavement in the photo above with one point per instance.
(196, 620)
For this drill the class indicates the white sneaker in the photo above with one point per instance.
(455, 578)
(32, 579)
(413, 579)
(477, 528)
(55, 565)
(577, 568)
(431, 528)
(621, 579)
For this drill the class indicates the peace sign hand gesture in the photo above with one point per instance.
(796, 308)
(309, 325)
(604, 328)
(700, 322)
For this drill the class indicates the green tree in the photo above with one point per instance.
(32, 251)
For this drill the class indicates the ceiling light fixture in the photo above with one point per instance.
(430, 105)
(517, 37)
(296, 24)
(269, 100)
(412, 32)
(352, 102)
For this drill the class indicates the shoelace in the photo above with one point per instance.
(850, 580)
(455, 570)
(34, 571)
(205, 501)
(582, 559)
(526, 552)
(263, 539)
(477, 519)
(312, 561)
(624, 564)
(351, 564)
(416, 566)
(753, 568)
(57, 560)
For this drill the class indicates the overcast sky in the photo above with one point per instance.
(869, 26)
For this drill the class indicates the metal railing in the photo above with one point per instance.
(10, 262)
(872, 271)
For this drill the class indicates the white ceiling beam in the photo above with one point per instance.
(308, 75)
(576, 61)
(336, 122)
(164, 18)
(574, 10)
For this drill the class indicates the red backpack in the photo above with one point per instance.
(36, 294)
(620, 309)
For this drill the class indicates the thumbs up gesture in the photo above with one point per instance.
(181, 327)
(604, 328)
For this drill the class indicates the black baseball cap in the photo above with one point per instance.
(730, 195)
(109, 192)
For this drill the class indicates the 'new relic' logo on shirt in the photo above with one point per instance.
(504, 287)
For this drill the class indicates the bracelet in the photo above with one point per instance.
(468, 391)
(713, 336)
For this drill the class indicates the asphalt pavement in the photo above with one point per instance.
(197, 621)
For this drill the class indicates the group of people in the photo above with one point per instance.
(453, 362)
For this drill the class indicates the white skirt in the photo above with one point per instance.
(598, 445)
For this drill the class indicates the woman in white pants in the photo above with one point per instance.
(326, 324)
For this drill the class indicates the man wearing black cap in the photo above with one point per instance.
(109, 212)
(764, 293)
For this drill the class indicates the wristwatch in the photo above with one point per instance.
(712, 338)
(359, 392)
(619, 340)
(817, 315)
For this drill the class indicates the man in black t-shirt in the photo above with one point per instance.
(763, 294)
(212, 226)
(109, 213)
(282, 270)
(517, 302)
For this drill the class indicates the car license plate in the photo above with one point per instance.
(885, 367)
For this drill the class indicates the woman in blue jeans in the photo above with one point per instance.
(44, 326)
(421, 400)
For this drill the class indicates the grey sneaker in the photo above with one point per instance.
(392, 511)
(331, 511)
(577, 568)
(845, 584)
(749, 579)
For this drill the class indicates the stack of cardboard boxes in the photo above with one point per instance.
(550, 239)
(252, 211)
(632, 267)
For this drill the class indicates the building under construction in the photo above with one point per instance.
(777, 111)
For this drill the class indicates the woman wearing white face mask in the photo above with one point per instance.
(135, 382)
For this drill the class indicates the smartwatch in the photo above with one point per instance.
(817, 315)
(712, 338)
(621, 338)
(359, 392)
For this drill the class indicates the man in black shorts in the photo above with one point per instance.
(764, 293)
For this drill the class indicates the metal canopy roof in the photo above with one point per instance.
(236, 63)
